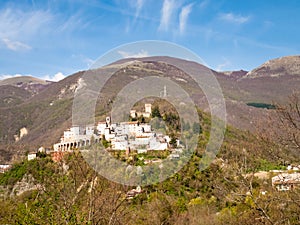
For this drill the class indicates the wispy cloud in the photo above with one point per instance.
(73, 22)
(86, 60)
(140, 54)
(223, 65)
(15, 45)
(16, 23)
(183, 17)
(233, 18)
(17, 26)
(203, 4)
(263, 45)
(138, 7)
(166, 14)
(89, 62)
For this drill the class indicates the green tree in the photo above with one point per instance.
(155, 112)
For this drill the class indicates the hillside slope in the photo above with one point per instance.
(43, 192)
(48, 113)
(11, 95)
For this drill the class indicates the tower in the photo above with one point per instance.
(148, 108)
(107, 121)
(165, 91)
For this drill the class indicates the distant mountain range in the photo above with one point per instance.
(44, 107)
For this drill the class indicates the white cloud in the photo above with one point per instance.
(6, 76)
(232, 18)
(183, 16)
(140, 54)
(56, 77)
(15, 45)
(166, 14)
(222, 66)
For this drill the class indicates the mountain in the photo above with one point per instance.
(47, 113)
(270, 83)
(19, 80)
(28, 83)
(284, 66)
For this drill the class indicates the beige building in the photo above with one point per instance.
(146, 113)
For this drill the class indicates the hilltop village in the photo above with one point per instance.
(141, 137)
(122, 136)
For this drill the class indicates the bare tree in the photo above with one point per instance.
(289, 117)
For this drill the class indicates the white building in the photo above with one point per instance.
(101, 128)
(4, 168)
(73, 133)
(89, 130)
(156, 144)
(31, 156)
(122, 135)
(136, 136)
(146, 127)
(119, 145)
(141, 140)
(76, 137)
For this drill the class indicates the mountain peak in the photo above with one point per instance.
(288, 65)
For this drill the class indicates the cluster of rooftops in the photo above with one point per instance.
(122, 136)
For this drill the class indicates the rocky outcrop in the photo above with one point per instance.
(26, 184)
(23, 132)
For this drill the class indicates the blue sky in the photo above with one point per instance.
(55, 38)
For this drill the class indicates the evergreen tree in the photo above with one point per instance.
(155, 112)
